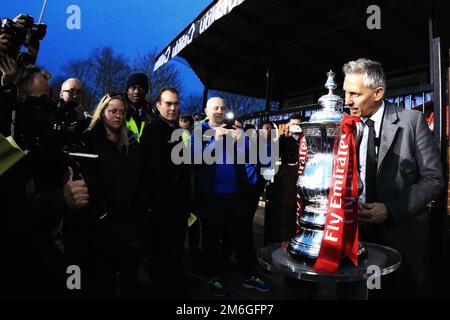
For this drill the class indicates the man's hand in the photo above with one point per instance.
(372, 213)
(33, 47)
(34, 44)
(4, 44)
(236, 133)
(21, 20)
(75, 192)
(220, 132)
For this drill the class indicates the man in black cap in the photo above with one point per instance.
(139, 111)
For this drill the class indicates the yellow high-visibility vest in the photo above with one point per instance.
(185, 136)
(132, 126)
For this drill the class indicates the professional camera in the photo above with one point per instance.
(45, 122)
(22, 35)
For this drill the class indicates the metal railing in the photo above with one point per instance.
(418, 98)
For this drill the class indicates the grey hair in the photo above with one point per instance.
(72, 79)
(372, 70)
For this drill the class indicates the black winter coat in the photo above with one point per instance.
(115, 209)
(167, 185)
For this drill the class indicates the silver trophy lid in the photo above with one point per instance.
(330, 103)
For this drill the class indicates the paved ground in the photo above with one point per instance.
(196, 283)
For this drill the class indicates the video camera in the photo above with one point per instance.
(45, 122)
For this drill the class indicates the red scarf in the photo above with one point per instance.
(302, 154)
(340, 237)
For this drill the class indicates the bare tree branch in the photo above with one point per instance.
(240, 105)
(163, 77)
(191, 104)
(102, 71)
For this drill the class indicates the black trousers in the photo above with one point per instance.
(412, 279)
(194, 236)
(251, 200)
(26, 273)
(164, 246)
(227, 214)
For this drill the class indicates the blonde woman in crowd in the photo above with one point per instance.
(114, 212)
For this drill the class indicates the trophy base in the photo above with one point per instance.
(362, 251)
(306, 253)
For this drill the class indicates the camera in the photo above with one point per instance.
(229, 120)
(22, 35)
(41, 122)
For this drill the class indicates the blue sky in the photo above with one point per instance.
(130, 27)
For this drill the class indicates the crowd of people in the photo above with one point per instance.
(126, 203)
(110, 198)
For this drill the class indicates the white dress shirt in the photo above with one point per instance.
(377, 117)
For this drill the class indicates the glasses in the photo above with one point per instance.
(116, 111)
(74, 91)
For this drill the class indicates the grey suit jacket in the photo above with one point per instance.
(409, 167)
(409, 176)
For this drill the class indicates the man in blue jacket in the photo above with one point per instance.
(221, 182)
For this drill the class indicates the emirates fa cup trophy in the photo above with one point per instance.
(316, 155)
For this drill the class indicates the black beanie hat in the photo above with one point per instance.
(137, 78)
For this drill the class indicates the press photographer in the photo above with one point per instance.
(39, 190)
(21, 31)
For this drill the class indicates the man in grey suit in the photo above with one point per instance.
(400, 167)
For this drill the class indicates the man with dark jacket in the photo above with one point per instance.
(35, 197)
(289, 142)
(168, 193)
(401, 170)
(283, 216)
(139, 111)
(72, 93)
